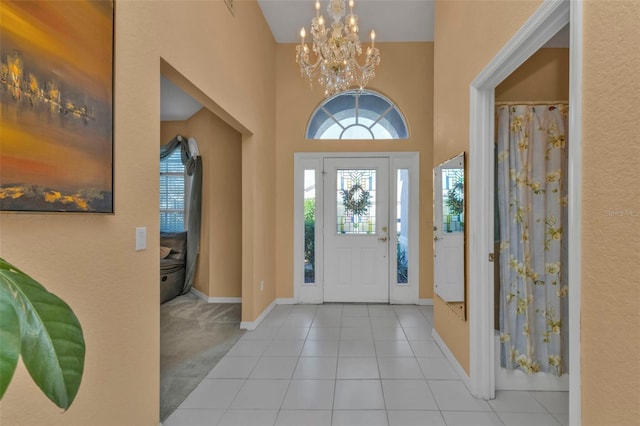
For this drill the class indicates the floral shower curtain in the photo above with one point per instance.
(532, 209)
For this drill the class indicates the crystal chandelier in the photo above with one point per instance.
(336, 49)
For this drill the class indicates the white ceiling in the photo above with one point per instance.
(393, 20)
(175, 105)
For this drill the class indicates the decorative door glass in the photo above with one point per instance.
(356, 202)
(402, 226)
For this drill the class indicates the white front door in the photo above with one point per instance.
(448, 230)
(356, 229)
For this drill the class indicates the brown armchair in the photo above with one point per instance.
(172, 266)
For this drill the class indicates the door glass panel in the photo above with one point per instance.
(452, 200)
(402, 226)
(356, 201)
(309, 226)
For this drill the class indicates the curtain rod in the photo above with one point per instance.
(532, 103)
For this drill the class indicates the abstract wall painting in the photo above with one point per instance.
(56, 105)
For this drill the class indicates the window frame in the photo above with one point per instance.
(383, 115)
(185, 191)
(405, 293)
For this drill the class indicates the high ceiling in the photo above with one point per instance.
(393, 20)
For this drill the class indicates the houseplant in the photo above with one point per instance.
(309, 239)
(42, 329)
(455, 203)
(455, 198)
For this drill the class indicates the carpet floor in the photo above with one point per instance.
(194, 336)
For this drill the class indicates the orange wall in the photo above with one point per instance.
(221, 149)
(543, 77)
(468, 34)
(405, 76)
(219, 270)
(169, 129)
(611, 243)
(90, 260)
(236, 81)
(610, 318)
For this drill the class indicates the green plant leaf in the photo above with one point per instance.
(52, 343)
(9, 336)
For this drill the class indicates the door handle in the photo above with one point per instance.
(436, 238)
(382, 239)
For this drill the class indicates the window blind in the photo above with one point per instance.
(172, 193)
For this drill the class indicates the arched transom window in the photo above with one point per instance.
(357, 114)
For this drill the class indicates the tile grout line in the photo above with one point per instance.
(229, 408)
(335, 377)
(384, 400)
(284, 395)
(425, 379)
(271, 339)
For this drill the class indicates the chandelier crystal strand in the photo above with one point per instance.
(336, 50)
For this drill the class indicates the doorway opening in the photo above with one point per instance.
(356, 233)
(550, 17)
(530, 209)
(531, 212)
(199, 326)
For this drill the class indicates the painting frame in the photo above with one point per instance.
(57, 103)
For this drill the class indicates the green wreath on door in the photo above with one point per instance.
(356, 200)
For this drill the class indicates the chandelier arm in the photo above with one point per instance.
(371, 61)
(304, 62)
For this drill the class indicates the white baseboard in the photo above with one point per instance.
(225, 300)
(252, 325)
(215, 299)
(200, 294)
(452, 359)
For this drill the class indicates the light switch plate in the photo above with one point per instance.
(141, 238)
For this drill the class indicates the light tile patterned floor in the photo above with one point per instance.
(343, 364)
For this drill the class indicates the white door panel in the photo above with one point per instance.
(449, 268)
(356, 246)
(448, 231)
